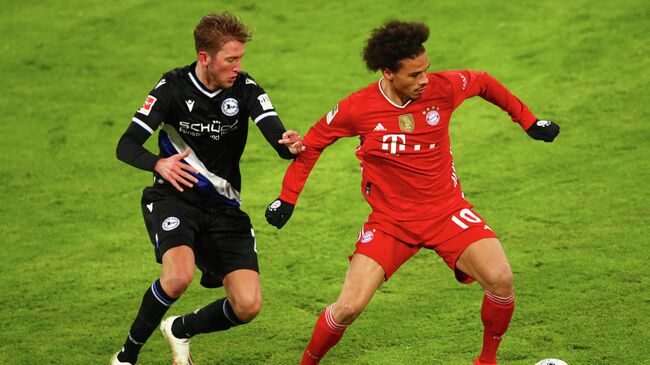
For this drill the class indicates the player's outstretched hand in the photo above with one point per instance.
(543, 130)
(293, 141)
(176, 171)
(278, 213)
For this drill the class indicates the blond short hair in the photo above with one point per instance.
(216, 29)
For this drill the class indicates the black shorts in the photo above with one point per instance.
(221, 235)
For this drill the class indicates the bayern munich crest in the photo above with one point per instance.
(230, 107)
(367, 236)
(432, 117)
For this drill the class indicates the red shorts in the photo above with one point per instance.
(391, 245)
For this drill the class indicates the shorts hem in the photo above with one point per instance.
(161, 249)
(212, 280)
(460, 276)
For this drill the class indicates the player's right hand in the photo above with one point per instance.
(293, 141)
(278, 213)
(176, 171)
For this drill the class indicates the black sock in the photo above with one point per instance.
(155, 304)
(216, 316)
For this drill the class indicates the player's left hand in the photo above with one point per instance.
(543, 130)
(293, 141)
(278, 213)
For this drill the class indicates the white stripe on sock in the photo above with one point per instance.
(500, 300)
(331, 322)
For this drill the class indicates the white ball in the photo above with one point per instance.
(551, 362)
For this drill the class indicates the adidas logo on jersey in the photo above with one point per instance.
(379, 128)
(190, 104)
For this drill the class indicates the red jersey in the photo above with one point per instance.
(406, 161)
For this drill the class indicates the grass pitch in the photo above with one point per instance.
(572, 214)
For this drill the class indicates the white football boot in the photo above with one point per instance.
(180, 346)
(115, 361)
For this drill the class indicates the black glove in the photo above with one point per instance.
(544, 130)
(278, 213)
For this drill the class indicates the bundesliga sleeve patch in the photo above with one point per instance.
(148, 105)
(331, 114)
(265, 102)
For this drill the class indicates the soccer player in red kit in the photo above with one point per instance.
(408, 179)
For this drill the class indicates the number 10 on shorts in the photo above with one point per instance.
(464, 216)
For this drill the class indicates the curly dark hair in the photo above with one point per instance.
(394, 41)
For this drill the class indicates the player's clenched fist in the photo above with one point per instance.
(544, 130)
(278, 213)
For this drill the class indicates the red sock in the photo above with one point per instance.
(327, 333)
(496, 313)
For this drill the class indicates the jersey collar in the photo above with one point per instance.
(199, 85)
(390, 101)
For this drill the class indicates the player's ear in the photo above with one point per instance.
(388, 74)
(203, 57)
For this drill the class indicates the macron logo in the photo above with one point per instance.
(190, 104)
(379, 128)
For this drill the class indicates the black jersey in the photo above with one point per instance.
(213, 124)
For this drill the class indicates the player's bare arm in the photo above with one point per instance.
(175, 171)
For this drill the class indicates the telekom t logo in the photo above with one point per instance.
(394, 143)
(393, 140)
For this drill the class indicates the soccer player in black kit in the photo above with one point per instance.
(192, 210)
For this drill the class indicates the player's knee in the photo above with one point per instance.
(346, 313)
(247, 308)
(500, 282)
(175, 284)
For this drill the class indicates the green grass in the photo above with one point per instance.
(572, 215)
